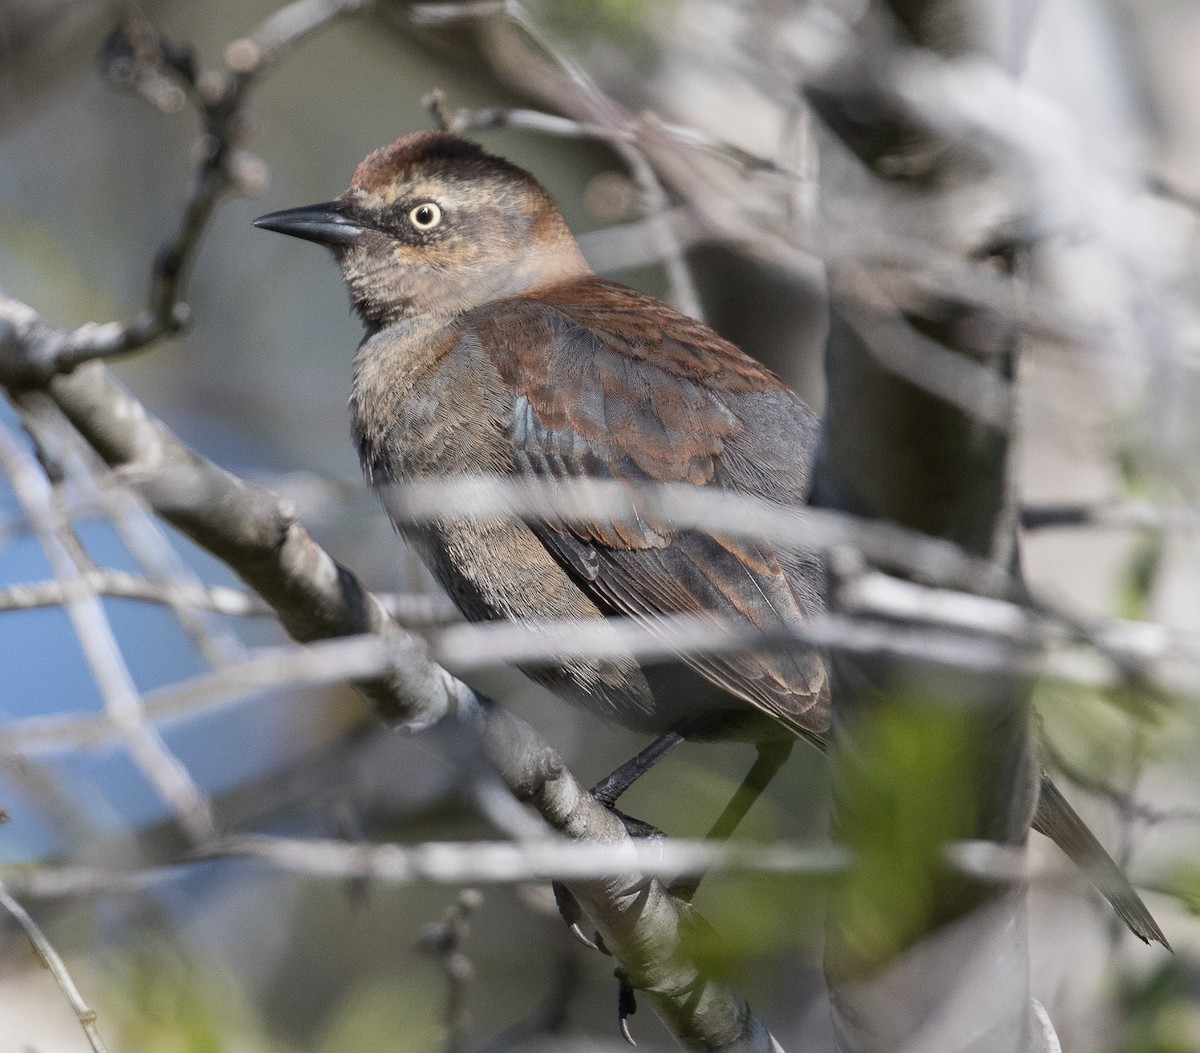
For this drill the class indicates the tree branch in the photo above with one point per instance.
(317, 598)
(58, 969)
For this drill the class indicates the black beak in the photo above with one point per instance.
(325, 224)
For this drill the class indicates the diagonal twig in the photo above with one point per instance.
(122, 703)
(58, 969)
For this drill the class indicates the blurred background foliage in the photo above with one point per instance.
(228, 957)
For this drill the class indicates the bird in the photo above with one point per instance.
(491, 347)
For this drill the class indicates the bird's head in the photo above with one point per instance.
(433, 225)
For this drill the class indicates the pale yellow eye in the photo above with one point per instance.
(425, 216)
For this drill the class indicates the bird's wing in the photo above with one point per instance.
(613, 385)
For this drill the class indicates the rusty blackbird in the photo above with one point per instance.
(491, 347)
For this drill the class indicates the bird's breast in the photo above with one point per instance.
(426, 401)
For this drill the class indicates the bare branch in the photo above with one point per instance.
(122, 705)
(120, 585)
(34, 356)
(316, 598)
(409, 609)
(1115, 514)
(58, 969)
(274, 39)
(444, 940)
(537, 859)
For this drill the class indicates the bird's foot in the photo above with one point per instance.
(572, 913)
(606, 793)
(568, 906)
(626, 1005)
(636, 827)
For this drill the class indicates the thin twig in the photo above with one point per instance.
(1116, 514)
(219, 96)
(121, 702)
(137, 527)
(444, 941)
(408, 608)
(120, 585)
(58, 969)
(529, 860)
(811, 530)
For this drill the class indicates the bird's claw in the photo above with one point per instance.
(582, 937)
(626, 1007)
(572, 913)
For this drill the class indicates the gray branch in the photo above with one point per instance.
(316, 598)
(58, 969)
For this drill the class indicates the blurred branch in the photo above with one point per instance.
(38, 351)
(1000, 630)
(1122, 514)
(443, 940)
(800, 530)
(881, 615)
(58, 969)
(531, 859)
(852, 542)
(141, 533)
(316, 598)
(122, 705)
(410, 609)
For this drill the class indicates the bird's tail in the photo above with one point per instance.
(1058, 821)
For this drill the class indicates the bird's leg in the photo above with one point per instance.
(608, 789)
(606, 792)
(771, 757)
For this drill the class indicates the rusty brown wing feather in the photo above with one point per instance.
(611, 384)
